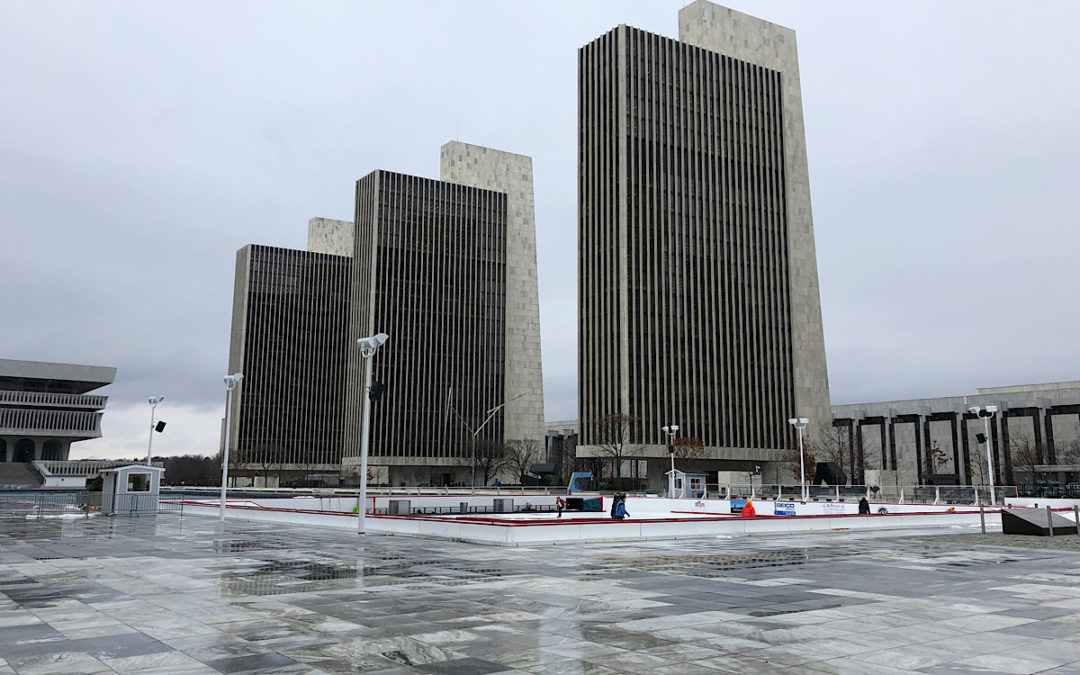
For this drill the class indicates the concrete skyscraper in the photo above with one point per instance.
(448, 269)
(699, 302)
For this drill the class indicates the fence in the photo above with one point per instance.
(887, 494)
(39, 504)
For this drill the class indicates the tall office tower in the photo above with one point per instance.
(698, 278)
(430, 271)
(512, 174)
(290, 340)
(447, 268)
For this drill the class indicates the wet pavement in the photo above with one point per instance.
(165, 594)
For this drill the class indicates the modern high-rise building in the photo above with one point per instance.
(447, 268)
(699, 302)
(290, 339)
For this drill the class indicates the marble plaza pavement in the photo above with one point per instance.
(166, 594)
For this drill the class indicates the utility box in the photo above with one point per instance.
(463, 507)
(132, 489)
(504, 505)
(399, 507)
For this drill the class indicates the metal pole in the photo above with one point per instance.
(150, 443)
(671, 453)
(1076, 515)
(990, 459)
(474, 463)
(982, 518)
(225, 452)
(361, 507)
(1050, 520)
(802, 465)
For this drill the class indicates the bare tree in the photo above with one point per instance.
(521, 454)
(491, 460)
(594, 465)
(1025, 456)
(831, 445)
(791, 461)
(613, 434)
(264, 459)
(936, 458)
(689, 448)
(977, 464)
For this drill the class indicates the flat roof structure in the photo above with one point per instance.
(44, 408)
(68, 378)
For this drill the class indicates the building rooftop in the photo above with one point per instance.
(65, 378)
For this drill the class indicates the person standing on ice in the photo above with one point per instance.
(748, 511)
(619, 511)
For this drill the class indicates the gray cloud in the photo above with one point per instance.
(145, 142)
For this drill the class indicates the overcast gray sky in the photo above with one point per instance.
(142, 144)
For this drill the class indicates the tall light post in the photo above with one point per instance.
(230, 385)
(987, 413)
(671, 430)
(367, 347)
(154, 400)
(476, 432)
(800, 424)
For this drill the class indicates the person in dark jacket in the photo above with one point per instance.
(864, 506)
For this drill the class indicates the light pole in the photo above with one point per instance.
(230, 385)
(671, 430)
(154, 400)
(986, 414)
(367, 347)
(475, 432)
(800, 424)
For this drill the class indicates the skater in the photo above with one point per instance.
(864, 506)
(560, 504)
(619, 511)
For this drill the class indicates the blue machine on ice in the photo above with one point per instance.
(575, 486)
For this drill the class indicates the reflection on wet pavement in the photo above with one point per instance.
(172, 594)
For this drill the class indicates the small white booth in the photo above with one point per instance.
(683, 485)
(131, 489)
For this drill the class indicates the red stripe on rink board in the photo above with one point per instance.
(502, 522)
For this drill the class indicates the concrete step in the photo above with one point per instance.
(17, 475)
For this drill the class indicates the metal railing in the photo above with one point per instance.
(81, 467)
(44, 504)
(887, 494)
(18, 420)
(41, 398)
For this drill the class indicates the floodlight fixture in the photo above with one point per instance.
(370, 344)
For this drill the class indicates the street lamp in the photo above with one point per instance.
(986, 413)
(671, 430)
(367, 347)
(230, 385)
(154, 400)
(800, 424)
(475, 432)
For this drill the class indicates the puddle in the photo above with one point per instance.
(279, 577)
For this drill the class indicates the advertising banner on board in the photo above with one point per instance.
(784, 509)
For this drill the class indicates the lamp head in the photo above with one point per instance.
(154, 400)
(370, 344)
(804, 421)
(974, 410)
(991, 409)
(233, 380)
(792, 421)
